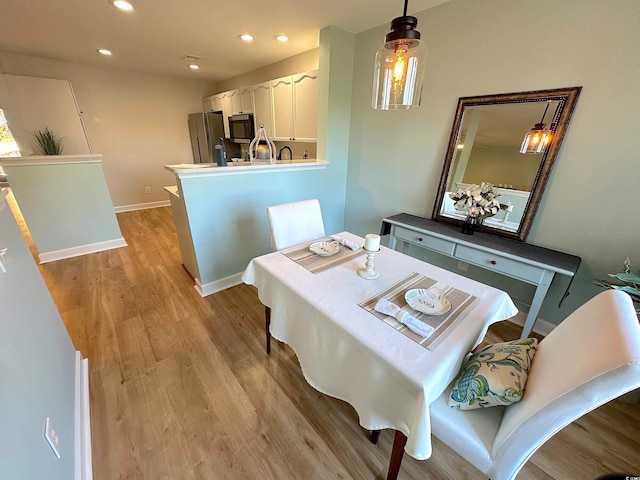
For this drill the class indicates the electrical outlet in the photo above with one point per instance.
(147, 189)
(464, 266)
(52, 437)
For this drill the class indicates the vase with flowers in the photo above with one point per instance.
(479, 202)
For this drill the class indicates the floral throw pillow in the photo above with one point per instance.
(494, 375)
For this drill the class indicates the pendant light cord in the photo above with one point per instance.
(406, 3)
(545, 112)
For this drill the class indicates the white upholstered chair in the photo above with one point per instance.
(294, 223)
(592, 357)
(291, 224)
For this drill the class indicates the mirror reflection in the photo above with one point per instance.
(485, 147)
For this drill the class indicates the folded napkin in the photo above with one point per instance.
(412, 323)
(345, 242)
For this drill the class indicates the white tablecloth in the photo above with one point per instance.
(348, 353)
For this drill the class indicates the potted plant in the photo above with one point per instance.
(479, 202)
(626, 281)
(48, 142)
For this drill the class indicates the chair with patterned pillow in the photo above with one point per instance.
(592, 357)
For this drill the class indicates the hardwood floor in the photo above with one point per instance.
(181, 387)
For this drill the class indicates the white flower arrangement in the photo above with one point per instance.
(478, 200)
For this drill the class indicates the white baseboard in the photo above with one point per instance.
(218, 285)
(141, 206)
(541, 327)
(81, 250)
(83, 464)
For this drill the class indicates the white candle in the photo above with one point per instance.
(372, 242)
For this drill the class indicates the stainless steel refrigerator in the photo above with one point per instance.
(205, 129)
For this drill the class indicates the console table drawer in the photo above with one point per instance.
(497, 263)
(426, 241)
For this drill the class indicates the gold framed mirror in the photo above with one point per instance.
(485, 146)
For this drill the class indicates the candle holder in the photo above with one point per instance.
(369, 273)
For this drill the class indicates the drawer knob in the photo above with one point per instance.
(493, 262)
(419, 239)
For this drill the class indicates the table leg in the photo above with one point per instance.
(375, 436)
(267, 324)
(536, 303)
(399, 441)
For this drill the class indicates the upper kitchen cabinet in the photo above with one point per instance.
(246, 100)
(208, 103)
(305, 106)
(295, 107)
(262, 104)
(226, 102)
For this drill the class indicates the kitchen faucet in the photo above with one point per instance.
(285, 148)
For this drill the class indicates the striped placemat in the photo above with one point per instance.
(315, 263)
(461, 302)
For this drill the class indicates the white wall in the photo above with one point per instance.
(39, 103)
(138, 122)
(477, 48)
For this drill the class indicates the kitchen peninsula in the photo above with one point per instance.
(220, 212)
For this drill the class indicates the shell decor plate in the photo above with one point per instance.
(428, 300)
(325, 249)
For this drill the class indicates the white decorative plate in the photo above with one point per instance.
(428, 300)
(325, 249)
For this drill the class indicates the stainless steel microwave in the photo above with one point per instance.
(241, 129)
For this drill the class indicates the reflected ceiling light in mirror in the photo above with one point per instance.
(538, 138)
(193, 66)
(104, 51)
(246, 37)
(399, 66)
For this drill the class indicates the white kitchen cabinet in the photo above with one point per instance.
(246, 100)
(226, 101)
(236, 104)
(295, 107)
(282, 91)
(208, 103)
(305, 106)
(262, 104)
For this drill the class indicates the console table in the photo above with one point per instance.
(522, 261)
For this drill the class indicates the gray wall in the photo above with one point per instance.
(476, 48)
(37, 367)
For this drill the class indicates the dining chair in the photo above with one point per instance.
(291, 224)
(294, 223)
(592, 357)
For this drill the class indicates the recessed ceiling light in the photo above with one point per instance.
(246, 37)
(282, 38)
(123, 5)
(193, 66)
(104, 51)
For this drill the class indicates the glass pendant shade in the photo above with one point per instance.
(399, 67)
(536, 140)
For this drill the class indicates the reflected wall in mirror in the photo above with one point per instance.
(485, 144)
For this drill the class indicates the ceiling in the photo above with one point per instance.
(157, 34)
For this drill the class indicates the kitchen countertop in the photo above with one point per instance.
(240, 168)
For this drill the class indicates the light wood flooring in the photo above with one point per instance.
(181, 387)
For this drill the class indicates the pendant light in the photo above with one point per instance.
(538, 138)
(399, 68)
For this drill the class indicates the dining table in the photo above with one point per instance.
(325, 311)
